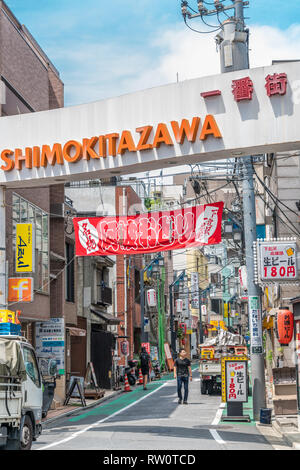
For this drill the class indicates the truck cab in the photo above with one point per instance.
(21, 394)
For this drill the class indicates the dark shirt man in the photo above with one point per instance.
(145, 362)
(182, 371)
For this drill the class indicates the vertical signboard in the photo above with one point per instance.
(50, 343)
(195, 290)
(255, 323)
(235, 379)
(24, 248)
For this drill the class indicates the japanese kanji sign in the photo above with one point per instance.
(242, 89)
(276, 84)
(246, 112)
(235, 379)
(24, 248)
(277, 261)
(255, 324)
(149, 232)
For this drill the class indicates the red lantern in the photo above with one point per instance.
(284, 326)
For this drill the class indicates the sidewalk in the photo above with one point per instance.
(285, 425)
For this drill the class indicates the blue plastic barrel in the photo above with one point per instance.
(265, 415)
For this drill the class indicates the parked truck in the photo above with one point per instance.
(211, 353)
(21, 394)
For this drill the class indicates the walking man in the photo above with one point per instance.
(145, 360)
(183, 372)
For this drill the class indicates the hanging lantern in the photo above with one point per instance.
(179, 305)
(284, 326)
(151, 298)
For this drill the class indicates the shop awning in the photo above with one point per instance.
(109, 319)
(76, 331)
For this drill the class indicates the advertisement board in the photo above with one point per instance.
(149, 232)
(20, 289)
(50, 343)
(24, 248)
(195, 290)
(276, 261)
(235, 379)
(255, 324)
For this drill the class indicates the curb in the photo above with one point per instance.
(286, 436)
(80, 408)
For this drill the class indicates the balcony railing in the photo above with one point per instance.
(105, 296)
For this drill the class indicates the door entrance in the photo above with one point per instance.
(102, 344)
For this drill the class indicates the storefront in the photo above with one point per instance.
(296, 311)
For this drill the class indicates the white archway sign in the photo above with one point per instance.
(145, 130)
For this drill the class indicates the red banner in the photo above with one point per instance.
(150, 232)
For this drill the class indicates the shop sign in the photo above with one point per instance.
(147, 347)
(124, 348)
(195, 290)
(151, 298)
(20, 289)
(24, 248)
(234, 379)
(149, 232)
(243, 277)
(179, 305)
(50, 344)
(255, 323)
(276, 261)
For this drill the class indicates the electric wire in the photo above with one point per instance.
(201, 32)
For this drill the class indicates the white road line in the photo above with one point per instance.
(218, 415)
(215, 422)
(78, 433)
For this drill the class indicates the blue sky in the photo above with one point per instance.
(106, 49)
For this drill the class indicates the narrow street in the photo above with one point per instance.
(153, 420)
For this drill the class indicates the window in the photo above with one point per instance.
(70, 278)
(26, 212)
(31, 366)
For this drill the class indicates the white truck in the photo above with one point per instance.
(21, 394)
(211, 352)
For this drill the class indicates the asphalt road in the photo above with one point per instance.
(153, 420)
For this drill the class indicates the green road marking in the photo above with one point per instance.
(124, 400)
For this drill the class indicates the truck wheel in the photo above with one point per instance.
(26, 434)
(203, 387)
(210, 387)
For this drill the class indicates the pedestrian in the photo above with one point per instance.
(145, 365)
(182, 371)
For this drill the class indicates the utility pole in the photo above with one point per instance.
(233, 43)
(3, 276)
